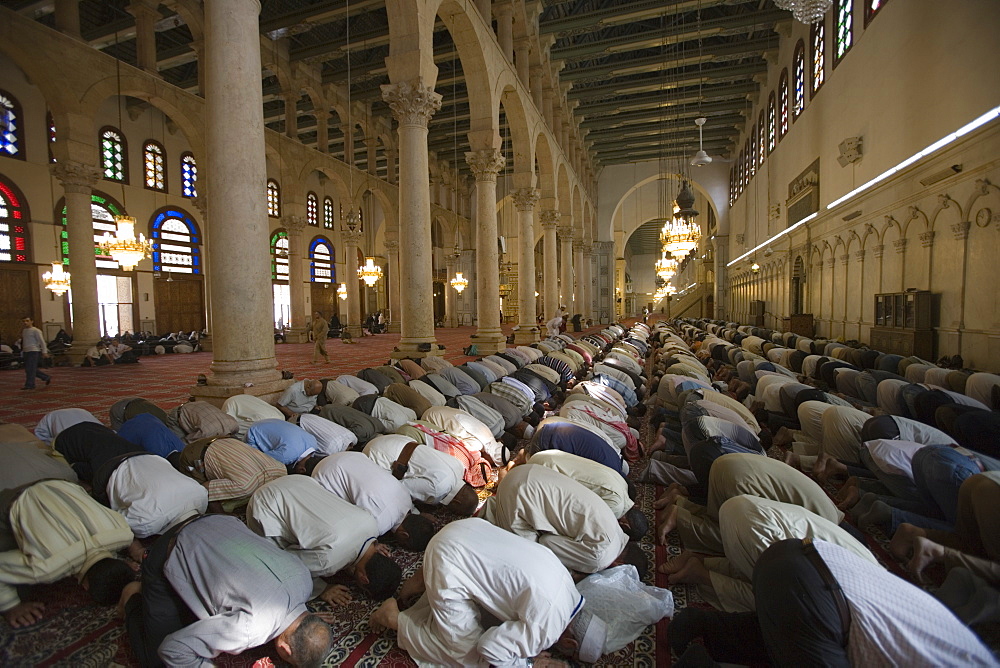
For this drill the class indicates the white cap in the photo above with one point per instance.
(590, 632)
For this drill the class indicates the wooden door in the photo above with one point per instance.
(323, 297)
(180, 305)
(17, 300)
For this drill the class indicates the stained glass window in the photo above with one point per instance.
(328, 213)
(13, 228)
(761, 138)
(783, 104)
(845, 29)
(752, 151)
(279, 255)
(312, 209)
(873, 7)
(189, 175)
(114, 160)
(103, 210)
(154, 166)
(772, 123)
(51, 125)
(11, 130)
(176, 242)
(321, 269)
(799, 80)
(818, 40)
(732, 193)
(273, 199)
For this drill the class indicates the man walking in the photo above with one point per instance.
(320, 331)
(33, 348)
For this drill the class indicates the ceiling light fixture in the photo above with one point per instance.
(700, 158)
(806, 11)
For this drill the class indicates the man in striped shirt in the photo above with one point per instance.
(230, 469)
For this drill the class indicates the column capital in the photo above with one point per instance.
(294, 224)
(75, 176)
(581, 246)
(485, 163)
(391, 246)
(566, 233)
(550, 219)
(525, 198)
(412, 103)
(352, 237)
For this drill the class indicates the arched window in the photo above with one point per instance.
(321, 269)
(312, 209)
(732, 190)
(154, 166)
(752, 151)
(873, 7)
(103, 210)
(845, 30)
(13, 230)
(761, 138)
(772, 123)
(328, 213)
(189, 175)
(798, 80)
(176, 242)
(11, 127)
(273, 199)
(279, 255)
(114, 155)
(51, 125)
(783, 104)
(817, 38)
(742, 164)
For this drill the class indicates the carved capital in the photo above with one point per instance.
(76, 177)
(831, 261)
(845, 258)
(352, 237)
(877, 251)
(550, 219)
(525, 198)
(860, 255)
(412, 104)
(945, 200)
(961, 230)
(391, 246)
(927, 239)
(294, 224)
(579, 246)
(566, 233)
(900, 245)
(485, 164)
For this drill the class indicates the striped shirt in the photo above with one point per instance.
(235, 470)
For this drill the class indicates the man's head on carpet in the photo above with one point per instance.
(106, 579)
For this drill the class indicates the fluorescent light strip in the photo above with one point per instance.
(939, 144)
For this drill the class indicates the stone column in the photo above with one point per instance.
(721, 254)
(450, 307)
(619, 288)
(535, 76)
(297, 260)
(588, 284)
(566, 264)
(352, 239)
(550, 275)
(521, 50)
(391, 155)
(547, 107)
(484, 8)
(370, 145)
(68, 17)
(199, 48)
(527, 330)
(505, 30)
(485, 165)
(348, 131)
(412, 105)
(291, 115)
(579, 296)
(322, 130)
(395, 280)
(78, 180)
(243, 355)
(145, 38)
(201, 202)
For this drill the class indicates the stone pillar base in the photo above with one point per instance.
(526, 336)
(394, 328)
(206, 343)
(296, 335)
(217, 394)
(413, 350)
(78, 351)
(489, 343)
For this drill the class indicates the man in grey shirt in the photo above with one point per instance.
(211, 586)
(33, 348)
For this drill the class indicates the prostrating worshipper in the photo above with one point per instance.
(24, 460)
(125, 409)
(465, 383)
(356, 479)
(229, 469)
(248, 409)
(54, 530)
(818, 603)
(404, 395)
(300, 397)
(749, 526)
(471, 566)
(493, 420)
(53, 422)
(561, 434)
(543, 505)
(477, 469)
(330, 436)
(151, 434)
(363, 425)
(212, 586)
(473, 433)
(337, 393)
(199, 419)
(286, 442)
(143, 487)
(362, 387)
(386, 411)
(376, 378)
(431, 477)
(327, 533)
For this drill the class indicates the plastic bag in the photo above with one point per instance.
(625, 604)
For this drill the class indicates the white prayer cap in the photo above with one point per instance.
(590, 632)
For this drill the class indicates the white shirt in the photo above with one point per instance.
(429, 393)
(248, 409)
(340, 394)
(330, 436)
(362, 387)
(433, 477)
(357, 479)
(392, 415)
(324, 531)
(598, 478)
(918, 432)
(475, 435)
(894, 623)
(894, 457)
(153, 496)
(56, 421)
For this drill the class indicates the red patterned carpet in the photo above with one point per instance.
(75, 632)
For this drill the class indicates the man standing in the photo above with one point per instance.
(33, 348)
(320, 330)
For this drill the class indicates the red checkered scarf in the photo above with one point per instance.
(632, 451)
(475, 473)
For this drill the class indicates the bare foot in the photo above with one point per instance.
(670, 496)
(826, 467)
(925, 553)
(386, 617)
(659, 444)
(24, 614)
(783, 438)
(677, 563)
(901, 545)
(666, 524)
(849, 494)
(793, 460)
(693, 572)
